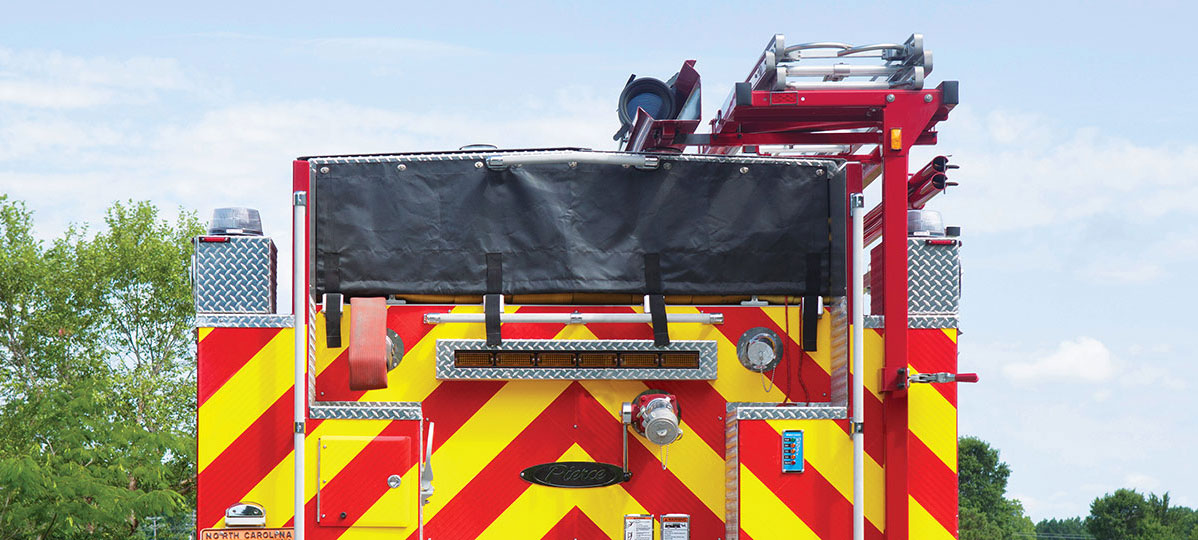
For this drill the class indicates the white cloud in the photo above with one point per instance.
(1084, 359)
(53, 80)
(1021, 172)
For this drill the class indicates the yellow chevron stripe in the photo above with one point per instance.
(830, 450)
(202, 333)
(923, 525)
(693, 460)
(486, 434)
(274, 491)
(823, 336)
(244, 397)
(401, 500)
(875, 360)
(539, 508)
(934, 420)
(764, 516)
(951, 333)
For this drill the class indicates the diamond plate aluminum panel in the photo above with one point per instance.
(206, 320)
(237, 276)
(917, 321)
(840, 352)
(447, 370)
(934, 279)
(366, 410)
(774, 411)
(731, 476)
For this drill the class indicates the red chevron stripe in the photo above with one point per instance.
(245, 462)
(659, 491)
(575, 525)
(535, 330)
(495, 487)
(739, 319)
(619, 330)
(808, 494)
(875, 443)
(225, 351)
(935, 485)
(931, 351)
(450, 405)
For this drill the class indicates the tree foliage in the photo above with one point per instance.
(985, 512)
(96, 374)
(1128, 515)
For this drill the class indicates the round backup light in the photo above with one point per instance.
(759, 349)
(236, 222)
(656, 97)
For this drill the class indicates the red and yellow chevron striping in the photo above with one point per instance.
(487, 431)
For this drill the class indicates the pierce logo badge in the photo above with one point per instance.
(574, 474)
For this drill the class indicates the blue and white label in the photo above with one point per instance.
(792, 451)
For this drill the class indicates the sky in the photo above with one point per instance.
(1078, 195)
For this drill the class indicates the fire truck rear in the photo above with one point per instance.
(669, 341)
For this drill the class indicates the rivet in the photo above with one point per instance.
(889, 98)
(401, 167)
(927, 98)
(573, 164)
(324, 170)
(744, 170)
(819, 172)
(666, 165)
(478, 164)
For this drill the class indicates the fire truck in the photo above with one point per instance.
(668, 340)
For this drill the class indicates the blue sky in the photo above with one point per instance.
(1075, 136)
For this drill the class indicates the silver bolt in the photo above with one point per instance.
(889, 98)
(401, 167)
(573, 164)
(322, 515)
(324, 170)
(667, 165)
(744, 170)
(575, 426)
(927, 98)
(478, 164)
(322, 393)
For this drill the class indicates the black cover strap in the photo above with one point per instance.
(815, 276)
(491, 300)
(332, 320)
(657, 302)
(332, 274)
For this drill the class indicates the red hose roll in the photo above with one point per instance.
(367, 344)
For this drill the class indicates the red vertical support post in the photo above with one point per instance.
(894, 281)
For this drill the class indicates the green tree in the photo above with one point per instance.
(96, 375)
(1073, 527)
(1127, 514)
(985, 512)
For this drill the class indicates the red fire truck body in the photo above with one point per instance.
(566, 343)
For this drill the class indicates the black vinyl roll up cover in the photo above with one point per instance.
(425, 224)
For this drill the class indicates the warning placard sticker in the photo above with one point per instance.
(247, 534)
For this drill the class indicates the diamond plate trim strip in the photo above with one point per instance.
(236, 276)
(774, 411)
(934, 281)
(243, 321)
(917, 321)
(447, 370)
(366, 410)
(831, 165)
